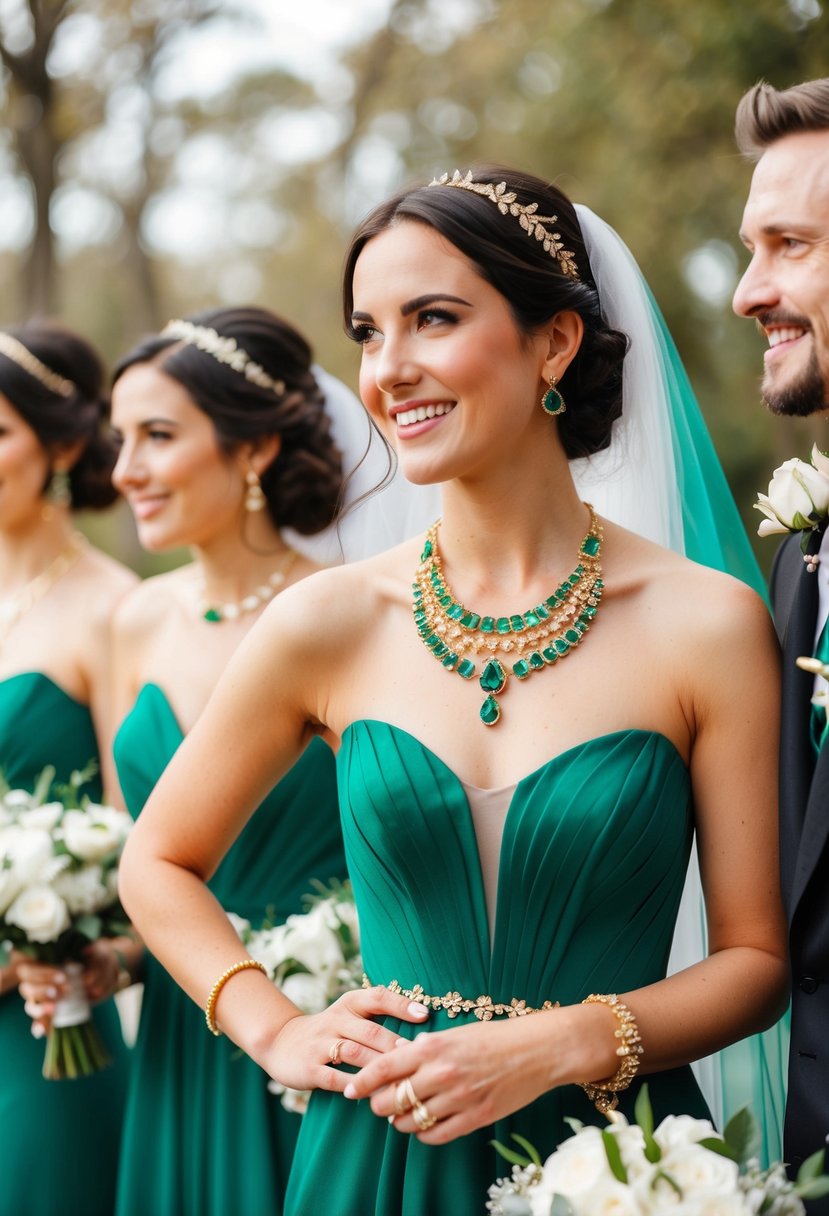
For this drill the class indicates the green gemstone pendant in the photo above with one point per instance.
(213, 615)
(493, 677)
(490, 711)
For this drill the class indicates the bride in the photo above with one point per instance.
(517, 855)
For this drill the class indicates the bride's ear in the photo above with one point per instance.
(564, 333)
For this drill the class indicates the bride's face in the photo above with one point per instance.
(182, 488)
(445, 373)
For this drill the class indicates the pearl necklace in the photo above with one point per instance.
(217, 613)
(537, 639)
(14, 607)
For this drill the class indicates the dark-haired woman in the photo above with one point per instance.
(225, 442)
(536, 708)
(59, 1146)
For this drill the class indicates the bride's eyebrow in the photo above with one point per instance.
(424, 301)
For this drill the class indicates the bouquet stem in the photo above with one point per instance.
(74, 1048)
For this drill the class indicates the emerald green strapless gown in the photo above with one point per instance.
(593, 859)
(202, 1134)
(58, 1139)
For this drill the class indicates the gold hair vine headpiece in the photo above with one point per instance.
(30, 363)
(223, 350)
(507, 203)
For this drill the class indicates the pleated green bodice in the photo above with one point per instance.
(592, 865)
(60, 1139)
(202, 1134)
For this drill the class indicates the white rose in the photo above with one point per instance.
(715, 1205)
(310, 940)
(269, 946)
(45, 816)
(95, 833)
(84, 891)
(797, 494)
(576, 1166)
(40, 913)
(17, 801)
(24, 855)
(308, 992)
(699, 1172)
(605, 1199)
(683, 1129)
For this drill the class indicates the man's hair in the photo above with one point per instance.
(765, 115)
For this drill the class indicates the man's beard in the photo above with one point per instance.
(809, 394)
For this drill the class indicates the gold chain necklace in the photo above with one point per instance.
(217, 613)
(14, 607)
(534, 640)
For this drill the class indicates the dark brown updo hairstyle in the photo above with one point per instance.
(530, 279)
(303, 485)
(65, 418)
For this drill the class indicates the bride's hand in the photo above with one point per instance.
(307, 1049)
(466, 1077)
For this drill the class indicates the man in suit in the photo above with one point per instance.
(786, 291)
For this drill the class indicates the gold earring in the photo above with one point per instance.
(254, 496)
(59, 489)
(552, 402)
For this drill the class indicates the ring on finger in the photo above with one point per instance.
(423, 1117)
(334, 1051)
(402, 1100)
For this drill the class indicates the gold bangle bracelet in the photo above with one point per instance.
(210, 1007)
(603, 1094)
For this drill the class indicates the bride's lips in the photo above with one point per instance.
(416, 417)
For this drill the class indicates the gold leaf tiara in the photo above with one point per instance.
(528, 217)
(23, 357)
(223, 350)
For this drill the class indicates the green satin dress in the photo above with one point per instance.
(592, 865)
(58, 1139)
(202, 1134)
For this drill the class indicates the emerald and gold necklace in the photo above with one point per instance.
(533, 640)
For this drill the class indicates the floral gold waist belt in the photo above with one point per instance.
(453, 1003)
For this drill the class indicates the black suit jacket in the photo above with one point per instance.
(804, 858)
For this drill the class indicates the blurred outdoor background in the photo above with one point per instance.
(160, 156)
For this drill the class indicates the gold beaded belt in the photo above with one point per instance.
(453, 1003)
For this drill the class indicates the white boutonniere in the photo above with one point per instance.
(806, 663)
(797, 501)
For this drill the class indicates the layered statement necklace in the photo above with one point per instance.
(515, 645)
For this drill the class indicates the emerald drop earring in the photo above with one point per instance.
(552, 402)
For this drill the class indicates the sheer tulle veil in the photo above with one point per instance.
(660, 477)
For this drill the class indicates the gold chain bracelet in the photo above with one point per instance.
(603, 1094)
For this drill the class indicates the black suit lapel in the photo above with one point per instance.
(797, 760)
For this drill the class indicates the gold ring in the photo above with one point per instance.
(422, 1117)
(401, 1103)
(334, 1051)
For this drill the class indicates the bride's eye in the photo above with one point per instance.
(435, 316)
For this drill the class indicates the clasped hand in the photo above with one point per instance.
(461, 1079)
(42, 985)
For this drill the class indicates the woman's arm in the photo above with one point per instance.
(263, 713)
(728, 680)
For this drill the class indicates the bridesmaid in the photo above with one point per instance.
(225, 440)
(59, 1145)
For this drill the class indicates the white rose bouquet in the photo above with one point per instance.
(313, 957)
(59, 857)
(798, 497)
(681, 1168)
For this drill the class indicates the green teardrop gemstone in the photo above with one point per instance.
(493, 677)
(213, 615)
(490, 711)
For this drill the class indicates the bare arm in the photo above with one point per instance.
(255, 726)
